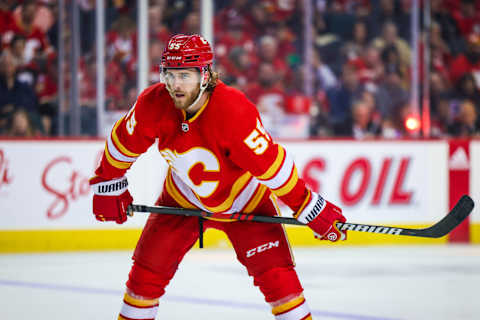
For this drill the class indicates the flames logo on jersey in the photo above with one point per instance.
(198, 167)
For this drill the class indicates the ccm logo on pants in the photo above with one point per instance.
(261, 248)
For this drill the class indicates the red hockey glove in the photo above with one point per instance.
(110, 199)
(321, 216)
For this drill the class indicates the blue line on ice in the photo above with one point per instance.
(180, 299)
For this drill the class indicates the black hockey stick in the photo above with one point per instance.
(461, 210)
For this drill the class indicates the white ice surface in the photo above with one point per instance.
(357, 283)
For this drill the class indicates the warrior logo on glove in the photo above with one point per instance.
(321, 216)
(112, 187)
(316, 209)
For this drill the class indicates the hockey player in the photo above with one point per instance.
(221, 160)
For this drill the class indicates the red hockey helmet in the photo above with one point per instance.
(187, 51)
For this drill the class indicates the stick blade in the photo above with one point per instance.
(460, 211)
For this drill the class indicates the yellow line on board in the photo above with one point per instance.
(125, 239)
(475, 233)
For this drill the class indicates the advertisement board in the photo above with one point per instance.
(44, 183)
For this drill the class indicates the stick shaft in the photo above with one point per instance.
(461, 210)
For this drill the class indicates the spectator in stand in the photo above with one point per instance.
(440, 94)
(155, 55)
(36, 41)
(46, 88)
(467, 17)
(339, 19)
(449, 31)
(390, 37)
(235, 10)
(441, 54)
(259, 19)
(392, 62)
(175, 11)
(288, 44)
(467, 89)
(268, 94)
(341, 97)
(157, 28)
(296, 101)
(240, 68)
(369, 67)
(26, 72)
(22, 125)
(327, 43)
(88, 95)
(268, 52)
(468, 62)
(14, 95)
(43, 18)
(122, 40)
(442, 117)
(234, 36)
(389, 11)
(131, 94)
(466, 123)
(191, 24)
(116, 80)
(325, 78)
(281, 11)
(354, 47)
(390, 94)
(6, 17)
(360, 124)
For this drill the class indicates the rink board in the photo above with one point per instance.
(45, 199)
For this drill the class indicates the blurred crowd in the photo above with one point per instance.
(361, 77)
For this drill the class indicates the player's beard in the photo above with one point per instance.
(186, 100)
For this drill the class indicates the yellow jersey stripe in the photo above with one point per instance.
(288, 305)
(117, 164)
(274, 167)
(304, 204)
(175, 194)
(138, 302)
(289, 185)
(117, 142)
(199, 111)
(255, 200)
(236, 188)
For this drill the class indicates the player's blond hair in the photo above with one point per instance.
(213, 77)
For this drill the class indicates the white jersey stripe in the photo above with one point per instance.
(283, 174)
(117, 154)
(238, 204)
(299, 312)
(138, 313)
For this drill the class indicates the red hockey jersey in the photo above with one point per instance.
(220, 160)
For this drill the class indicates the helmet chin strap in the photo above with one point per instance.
(203, 86)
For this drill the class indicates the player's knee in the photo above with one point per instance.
(145, 282)
(278, 283)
